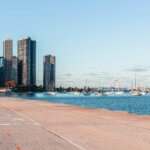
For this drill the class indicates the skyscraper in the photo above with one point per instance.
(14, 68)
(1, 72)
(7, 53)
(49, 73)
(26, 62)
(33, 63)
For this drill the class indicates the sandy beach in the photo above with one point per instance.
(36, 125)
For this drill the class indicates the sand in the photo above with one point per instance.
(37, 125)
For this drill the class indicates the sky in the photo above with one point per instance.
(95, 41)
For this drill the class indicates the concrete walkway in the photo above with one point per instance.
(20, 133)
(38, 125)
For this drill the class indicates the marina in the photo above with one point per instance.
(139, 105)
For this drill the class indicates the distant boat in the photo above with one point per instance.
(143, 93)
(86, 93)
(101, 94)
(76, 93)
(135, 93)
(109, 93)
(119, 93)
(51, 93)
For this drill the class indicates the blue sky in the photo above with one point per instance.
(94, 40)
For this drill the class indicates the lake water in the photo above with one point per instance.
(136, 105)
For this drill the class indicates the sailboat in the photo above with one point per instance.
(143, 92)
(51, 93)
(135, 93)
(118, 92)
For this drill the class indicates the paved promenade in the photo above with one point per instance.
(36, 125)
(21, 133)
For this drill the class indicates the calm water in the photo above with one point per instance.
(137, 105)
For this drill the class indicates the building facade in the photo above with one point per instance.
(26, 62)
(49, 72)
(1, 72)
(33, 63)
(14, 69)
(7, 54)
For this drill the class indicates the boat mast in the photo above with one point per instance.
(135, 83)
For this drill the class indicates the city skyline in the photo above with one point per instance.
(94, 41)
(97, 82)
(20, 70)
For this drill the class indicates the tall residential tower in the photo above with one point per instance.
(7, 54)
(49, 73)
(26, 62)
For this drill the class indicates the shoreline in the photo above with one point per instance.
(88, 128)
(84, 107)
